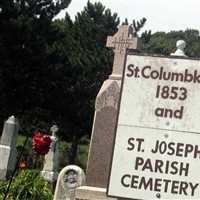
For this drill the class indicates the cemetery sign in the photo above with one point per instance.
(157, 144)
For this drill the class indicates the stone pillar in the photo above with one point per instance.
(103, 132)
(105, 118)
(69, 179)
(106, 109)
(50, 169)
(8, 152)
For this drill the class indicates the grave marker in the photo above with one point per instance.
(106, 106)
(157, 139)
(50, 169)
(54, 129)
(69, 179)
(8, 150)
(121, 42)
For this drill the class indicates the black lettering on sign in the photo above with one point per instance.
(176, 149)
(174, 187)
(133, 71)
(125, 180)
(173, 93)
(162, 167)
(132, 142)
(169, 113)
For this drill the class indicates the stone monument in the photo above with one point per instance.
(50, 169)
(106, 108)
(8, 150)
(69, 179)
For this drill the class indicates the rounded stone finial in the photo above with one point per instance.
(181, 44)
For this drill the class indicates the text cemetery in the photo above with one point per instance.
(163, 167)
(157, 140)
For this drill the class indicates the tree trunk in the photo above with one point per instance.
(73, 150)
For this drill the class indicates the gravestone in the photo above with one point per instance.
(122, 41)
(8, 150)
(69, 179)
(50, 169)
(105, 117)
(106, 110)
(156, 151)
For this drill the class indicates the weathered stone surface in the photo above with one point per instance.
(103, 135)
(93, 193)
(8, 150)
(121, 42)
(10, 132)
(8, 160)
(50, 169)
(108, 95)
(69, 179)
(105, 118)
(88, 193)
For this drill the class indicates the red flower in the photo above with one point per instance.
(41, 145)
(22, 165)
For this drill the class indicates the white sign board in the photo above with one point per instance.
(157, 144)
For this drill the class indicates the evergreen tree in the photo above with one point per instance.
(137, 26)
(165, 43)
(28, 74)
(91, 64)
(52, 70)
(146, 36)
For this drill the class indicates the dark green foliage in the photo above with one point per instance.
(137, 26)
(52, 70)
(165, 43)
(63, 160)
(27, 185)
(90, 62)
(159, 43)
(30, 70)
(82, 154)
(146, 36)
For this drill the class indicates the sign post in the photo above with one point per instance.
(157, 144)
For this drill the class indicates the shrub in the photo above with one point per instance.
(27, 185)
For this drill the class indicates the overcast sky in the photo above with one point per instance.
(161, 15)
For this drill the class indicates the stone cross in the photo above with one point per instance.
(54, 129)
(50, 169)
(106, 106)
(105, 119)
(121, 42)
